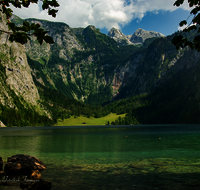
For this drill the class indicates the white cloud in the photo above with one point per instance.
(100, 13)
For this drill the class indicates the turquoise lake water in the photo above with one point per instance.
(119, 157)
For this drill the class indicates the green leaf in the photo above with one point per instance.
(195, 10)
(45, 5)
(190, 44)
(196, 19)
(26, 3)
(37, 26)
(25, 23)
(193, 27)
(184, 22)
(48, 39)
(178, 41)
(178, 3)
(11, 38)
(40, 40)
(7, 11)
(16, 4)
(55, 3)
(32, 26)
(11, 26)
(191, 3)
(52, 12)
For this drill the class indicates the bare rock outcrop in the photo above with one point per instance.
(2, 124)
(141, 35)
(138, 37)
(18, 73)
(119, 37)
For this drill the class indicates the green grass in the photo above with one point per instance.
(89, 121)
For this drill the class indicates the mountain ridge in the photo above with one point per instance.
(138, 37)
(91, 67)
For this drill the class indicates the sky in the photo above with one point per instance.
(126, 15)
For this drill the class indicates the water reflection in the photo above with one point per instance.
(117, 154)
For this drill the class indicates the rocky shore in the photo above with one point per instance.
(22, 172)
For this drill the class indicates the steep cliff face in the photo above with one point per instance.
(147, 67)
(72, 64)
(15, 73)
(63, 36)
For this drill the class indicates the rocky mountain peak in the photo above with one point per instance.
(92, 27)
(141, 35)
(138, 37)
(118, 36)
(140, 31)
(114, 32)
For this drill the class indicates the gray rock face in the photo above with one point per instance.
(16, 76)
(63, 37)
(138, 37)
(141, 35)
(118, 36)
(18, 72)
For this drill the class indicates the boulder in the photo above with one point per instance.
(24, 165)
(23, 172)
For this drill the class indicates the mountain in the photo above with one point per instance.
(15, 75)
(24, 99)
(173, 99)
(84, 67)
(138, 37)
(18, 90)
(87, 65)
(119, 37)
(80, 64)
(141, 35)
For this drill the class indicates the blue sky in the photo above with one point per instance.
(165, 22)
(126, 15)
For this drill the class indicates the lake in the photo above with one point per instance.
(111, 157)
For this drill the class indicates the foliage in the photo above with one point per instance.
(21, 34)
(180, 40)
